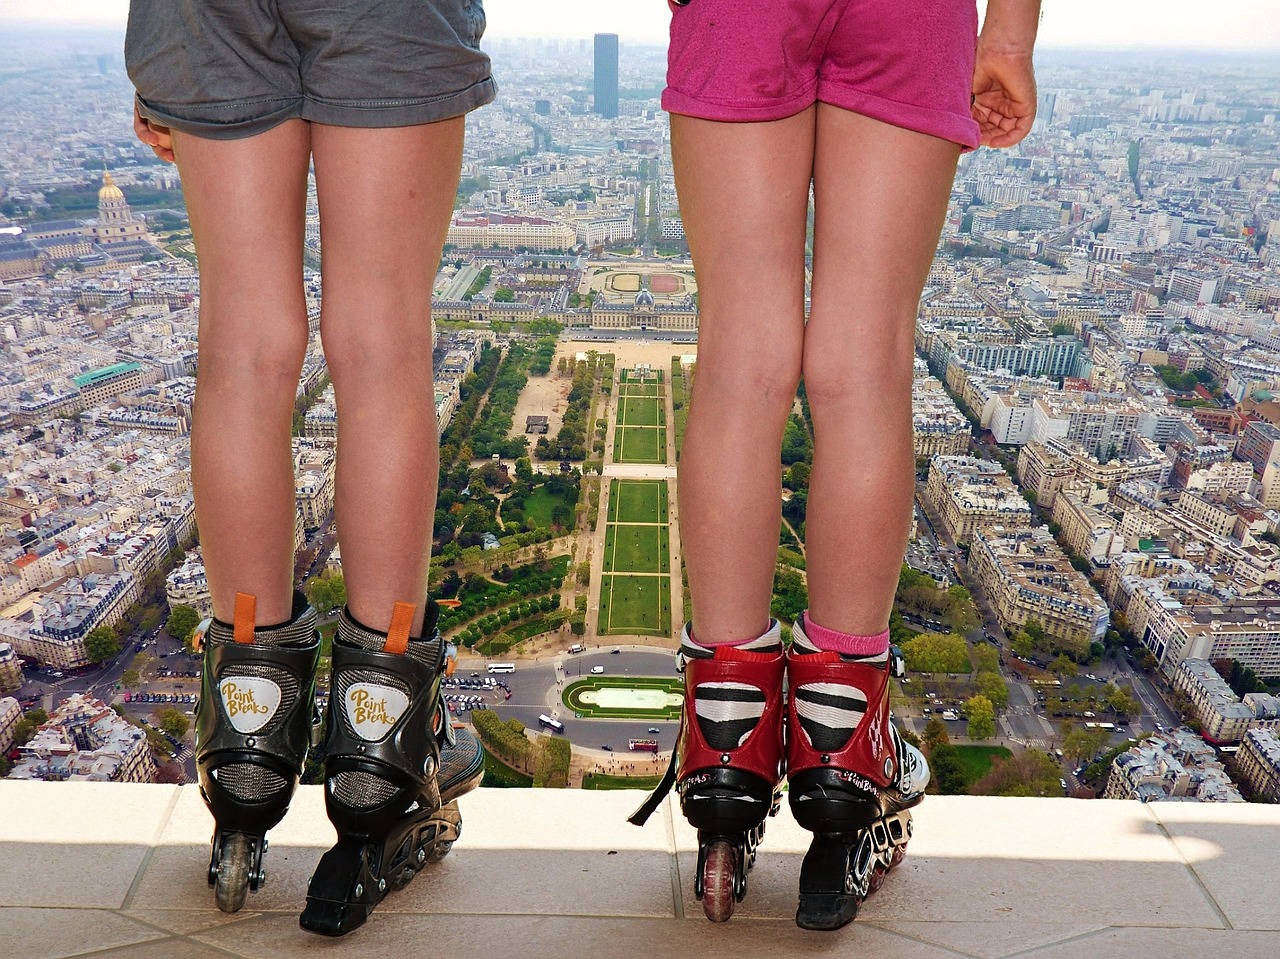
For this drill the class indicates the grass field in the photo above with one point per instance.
(601, 781)
(538, 507)
(629, 376)
(640, 444)
(637, 549)
(976, 760)
(573, 697)
(639, 390)
(638, 501)
(641, 411)
(635, 604)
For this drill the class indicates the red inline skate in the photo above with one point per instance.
(728, 763)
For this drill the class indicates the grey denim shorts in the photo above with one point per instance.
(227, 69)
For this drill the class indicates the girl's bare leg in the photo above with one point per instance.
(744, 192)
(880, 195)
(246, 199)
(386, 196)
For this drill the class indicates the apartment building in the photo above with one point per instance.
(1177, 765)
(10, 670)
(1221, 714)
(85, 740)
(1026, 576)
(969, 493)
(10, 714)
(1258, 764)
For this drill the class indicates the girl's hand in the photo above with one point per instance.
(1004, 96)
(156, 136)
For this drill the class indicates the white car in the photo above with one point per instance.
(597, 669)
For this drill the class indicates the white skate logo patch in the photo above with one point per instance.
(372, 710)
(249, 701)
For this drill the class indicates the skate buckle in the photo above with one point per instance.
(197, 635)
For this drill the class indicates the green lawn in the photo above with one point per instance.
(635, 604)
(637, 549)
(640, 411)
(639, 389)
(538, 506)
(976, 760)
(641, 444)
(498, 775)
(601, 781)
(572, 697)
(638, 501)
(629, 376)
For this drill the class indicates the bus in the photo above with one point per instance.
(1109, 727)
(501, 667)
(552, 724)
(643, 745)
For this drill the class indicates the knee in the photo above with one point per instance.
(765, 385)
(376, 350)
(261, 360)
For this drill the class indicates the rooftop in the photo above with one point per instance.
(104, 869)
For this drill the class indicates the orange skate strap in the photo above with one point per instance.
(242, 623)
(398, 631)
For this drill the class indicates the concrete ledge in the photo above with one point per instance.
(91, 869)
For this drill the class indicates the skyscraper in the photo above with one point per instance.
(606, 89)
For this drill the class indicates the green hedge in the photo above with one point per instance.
(505, 739)
(551, 768)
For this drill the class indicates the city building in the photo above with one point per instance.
(10, 715)
(10, 670)
(1223, 718)
(1026, 576)
(1258, 764)
(969, 493)
(1177, 765)
(86, 740)
(605, 88)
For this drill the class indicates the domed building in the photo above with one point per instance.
(116, 222)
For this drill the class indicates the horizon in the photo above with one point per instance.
(1242, 26)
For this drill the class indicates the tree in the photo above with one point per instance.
(101, 644)
(935, 734)
(947, 770)
(937, 653)
(985, 658)
(174, 723)
(1122, 701)
(1022, 644)
(993, 686)
(982, 717)
(326, 593)
(1080, 741)
(130, 679)
(1026, 773)
(182, 620)
(1035, 630)
(1062, 666)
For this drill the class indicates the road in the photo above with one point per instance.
(535, 691)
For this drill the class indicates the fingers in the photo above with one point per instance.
(153, 135)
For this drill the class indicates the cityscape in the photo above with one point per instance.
(1090, 601)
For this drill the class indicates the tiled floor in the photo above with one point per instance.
(115, 870)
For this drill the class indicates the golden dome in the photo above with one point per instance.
(109, 189)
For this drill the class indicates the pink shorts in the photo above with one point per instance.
(904, 62)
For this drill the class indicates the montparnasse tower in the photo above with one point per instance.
(116, 222)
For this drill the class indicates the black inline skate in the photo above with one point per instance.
(852, 779)
(728, 762)
(255, 721)
(394, 768)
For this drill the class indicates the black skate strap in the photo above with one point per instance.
(654, 799)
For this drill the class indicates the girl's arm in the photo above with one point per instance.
(1004, 83)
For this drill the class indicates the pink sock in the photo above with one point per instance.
(845, 644)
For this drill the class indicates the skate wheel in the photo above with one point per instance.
(439, 851)
(878, 874)
(231, 887)
(899, 853)
(718, 873)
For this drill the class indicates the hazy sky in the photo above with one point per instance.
(1224, 24)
